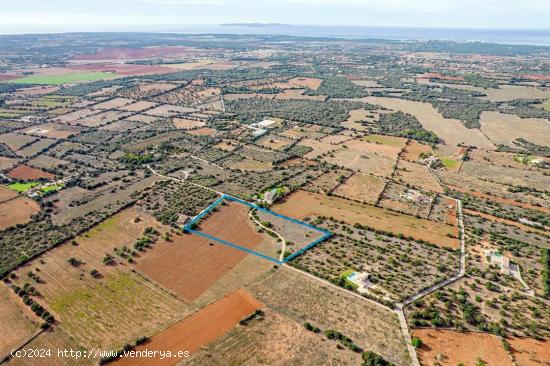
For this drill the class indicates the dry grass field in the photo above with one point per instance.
(248, 164)
(377, 144)
(15, 141)
(54, 339)
(452, 131)
(357, 116)
(7, 163)
(18, 322)
(414, 149)
(113, 307)
(416, 175)
(52, 130)
(187, 124)
(305, 131)
(35, 148)
(505, 175)
(505, 128)
(303, 204)
(100, 119)
(17, 211)
(375, 163)
(197, 330)
(114, 103)
(205, 131)
(450, 348)
(327, 182)
(302, 299)
(319, 148)
(361, 187)
(475, 184)
(502, 159)
(276, 340)
(336, 139)
(275, 142)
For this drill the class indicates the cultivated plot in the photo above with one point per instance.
(228, 217)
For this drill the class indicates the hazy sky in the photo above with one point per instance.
(103, 15)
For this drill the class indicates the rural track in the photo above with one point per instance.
(273, 231)
(182, 180)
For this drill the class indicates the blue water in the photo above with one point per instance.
(540, 37)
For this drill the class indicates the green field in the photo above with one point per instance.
(10, 113)
(52, 101)
(63, 79)
(449, 163)
(23, 187)
(50, 188)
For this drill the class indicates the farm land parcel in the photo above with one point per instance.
(64, 78)
(219, 234)
(303, 204)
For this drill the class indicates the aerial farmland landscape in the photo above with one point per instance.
(266, 194)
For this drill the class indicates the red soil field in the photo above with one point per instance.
(123, 53)
(6, 77)
(123, 69)
(450, 348)
(17, 211)
(197, 330)
(26, 172)
(530, 352)
(191, 264)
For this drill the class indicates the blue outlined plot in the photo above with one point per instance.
(189, 227)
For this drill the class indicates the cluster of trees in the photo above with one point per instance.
(453, 103)
(405, 125)
(338, 87)
(25, 292)
(373, 359)
(479, 81)
(327, 113)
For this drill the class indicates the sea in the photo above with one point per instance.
(537, 37)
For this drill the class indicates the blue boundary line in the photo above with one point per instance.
(235, 246)
(213, 205)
